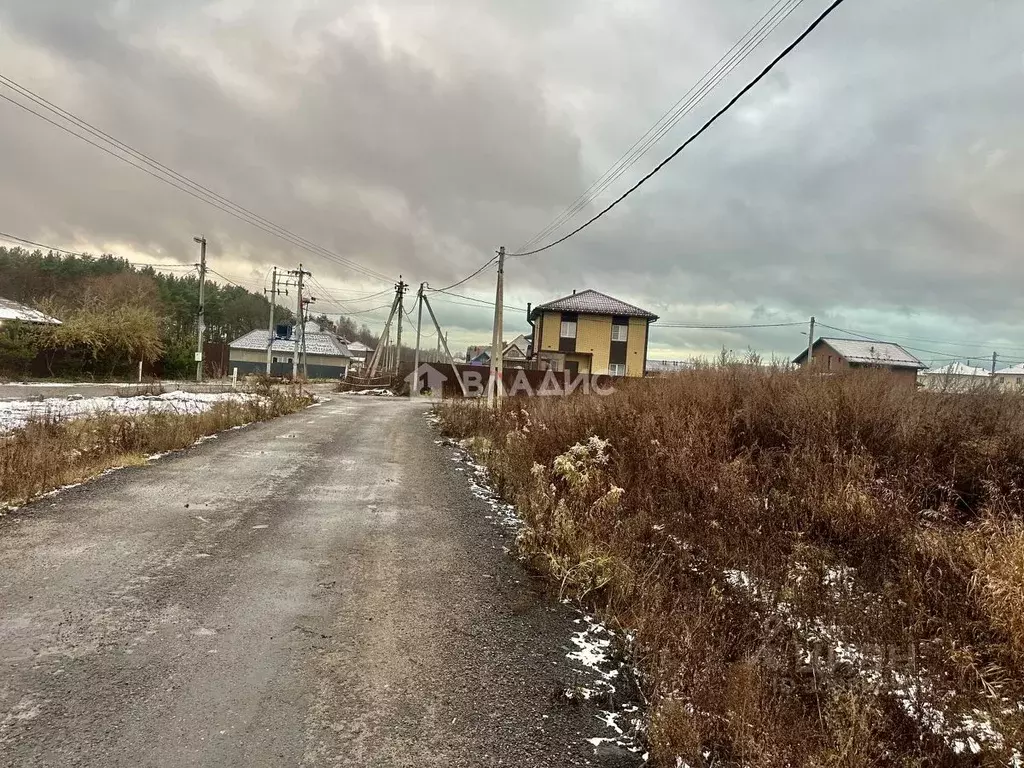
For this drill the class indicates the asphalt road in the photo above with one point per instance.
(320, 590)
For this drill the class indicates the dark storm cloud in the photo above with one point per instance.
(875, 178)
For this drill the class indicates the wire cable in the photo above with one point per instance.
(171, 177)
(698, 326)
(731, 103)
(711, 79)
(467, 279)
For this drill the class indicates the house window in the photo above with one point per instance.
(620, 332)
(617, 369)
(568, 329)
(275, 359)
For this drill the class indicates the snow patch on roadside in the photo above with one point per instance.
(15, 414)
(592, 647)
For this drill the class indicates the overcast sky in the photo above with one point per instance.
(875, 179)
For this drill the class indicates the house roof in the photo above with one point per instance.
(321, 343)
(357, 347)
(883, 353)
(520, 342)
(12, 310)
(591, 302)
(1013, 370)
(959, 369)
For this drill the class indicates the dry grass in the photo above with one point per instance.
(814, 567)
(49, 453)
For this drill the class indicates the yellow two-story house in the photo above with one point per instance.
(589, 332)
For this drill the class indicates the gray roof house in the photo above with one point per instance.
(834, 355)
(327, 356)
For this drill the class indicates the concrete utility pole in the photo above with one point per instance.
(270, 336)
(380, 353)
(810, 344)
(305, 357)
(298, 335)
(202, 309)
(401, 287)
(448, 352)
(414, 387)
(494, 389)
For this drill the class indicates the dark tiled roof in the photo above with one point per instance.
(592, 303)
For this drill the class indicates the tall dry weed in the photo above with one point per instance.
(814, 566)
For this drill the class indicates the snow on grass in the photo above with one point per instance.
(592, 645)
(15, 414)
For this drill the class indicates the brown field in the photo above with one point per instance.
(819, 571)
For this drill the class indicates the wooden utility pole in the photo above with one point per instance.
(810, 344)
(494, 389)
(202, 309)
(270, 327)
(994, 358)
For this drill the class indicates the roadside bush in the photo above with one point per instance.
(819, 570)
(50, 453)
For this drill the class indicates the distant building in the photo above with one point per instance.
(668, 366)
(327, 356)
(12, 310)
(1011, 378)
(834, 355)
(590, 332)
(514, 354)
(361, 354)
(956, 377)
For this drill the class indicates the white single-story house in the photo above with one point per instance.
(956, 377)
(327, 356)
(1011, 378)
(12, 310)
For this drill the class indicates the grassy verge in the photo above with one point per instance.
(48, 453)
(818, 571)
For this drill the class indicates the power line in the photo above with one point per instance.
(483, 302)
(708, 82)
(943, 355)
(55, 249)
(470, 277)
(169, 176)
(732, 102)
(698, 326)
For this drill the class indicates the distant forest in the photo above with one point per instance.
(115, 314)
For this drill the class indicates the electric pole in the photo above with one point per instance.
(305, 357)
(493, 385)
(401, 288)
(414, 387)
(994, 358)
(810, 344)
(299, 334)
(202, 312)
(270, 335)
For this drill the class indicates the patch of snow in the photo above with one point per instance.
(15, 414)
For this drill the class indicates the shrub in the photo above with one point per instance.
(819, 570)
